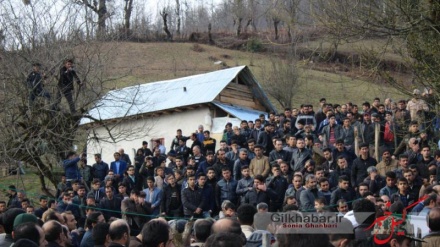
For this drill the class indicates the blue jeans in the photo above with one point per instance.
(206, 214)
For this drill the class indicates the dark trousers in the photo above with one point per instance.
(275, 206)
(68, 94)
(34, 94)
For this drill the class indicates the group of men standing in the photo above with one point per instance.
(66, 77)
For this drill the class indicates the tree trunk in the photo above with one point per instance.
(240, 20)
(102, 15)
(247, 25)
(178, 17)
(45, 172)
(275, 25)
(210, 40)
(127, 15)
(254, 26)
(164, 15)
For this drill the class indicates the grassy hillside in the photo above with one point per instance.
(139, 63)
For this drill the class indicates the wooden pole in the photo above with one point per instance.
(376, 140)
(356, 141)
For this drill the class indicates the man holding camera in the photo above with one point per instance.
(65, 84)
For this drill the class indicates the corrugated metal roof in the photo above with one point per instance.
(162, 95)
(239, 112)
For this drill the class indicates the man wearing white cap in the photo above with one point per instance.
(417, 107)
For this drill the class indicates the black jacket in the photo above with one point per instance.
(34, 81)
(112, 207)
(347, 195)
(265, 139)
(166, 198)
(279, 185)
(136, 184)
(191, 200)
(253, 197)
(65, 81)
(359, 170)
(274, 155)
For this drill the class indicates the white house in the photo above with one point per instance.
(156, 110)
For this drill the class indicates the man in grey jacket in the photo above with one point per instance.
(309, 195)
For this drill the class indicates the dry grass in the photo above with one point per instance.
(28, 182)
(138, 63)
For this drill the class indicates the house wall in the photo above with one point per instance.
(238, 94)
(164, 126)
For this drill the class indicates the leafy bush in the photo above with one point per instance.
(254, 45)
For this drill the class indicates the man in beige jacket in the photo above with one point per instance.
(260, 164)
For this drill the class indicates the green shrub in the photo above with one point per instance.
(254, 45)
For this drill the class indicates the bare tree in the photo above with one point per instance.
(164, 14)
(178, 17)
(239, 12)
(128, 9)
(100, 8)
(281, 79)
(35, 132)
(409, 29)
(210, 39)
(276, 22)
(253, 6)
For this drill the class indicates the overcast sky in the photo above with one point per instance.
(152, 5)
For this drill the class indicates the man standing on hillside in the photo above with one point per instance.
(35, 82)
(65, 84)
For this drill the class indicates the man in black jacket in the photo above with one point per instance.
(171, 204)
(360, 165)
(35, 83)
(265, 139)
(342, 192)
(111, 204)
(279, 155)
(192, 199)
(65, 84)
(132, 181)
(278, 184)
(260, 193)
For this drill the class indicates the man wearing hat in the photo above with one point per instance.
(24, 218)
(35, 83)
(417, 107)
(402, 117)
(387, 164)
(13, 202)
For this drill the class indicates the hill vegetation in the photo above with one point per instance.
(138, 63)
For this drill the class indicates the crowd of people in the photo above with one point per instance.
(383, 161)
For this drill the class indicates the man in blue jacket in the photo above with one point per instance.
(118, 166)
(71, 168)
